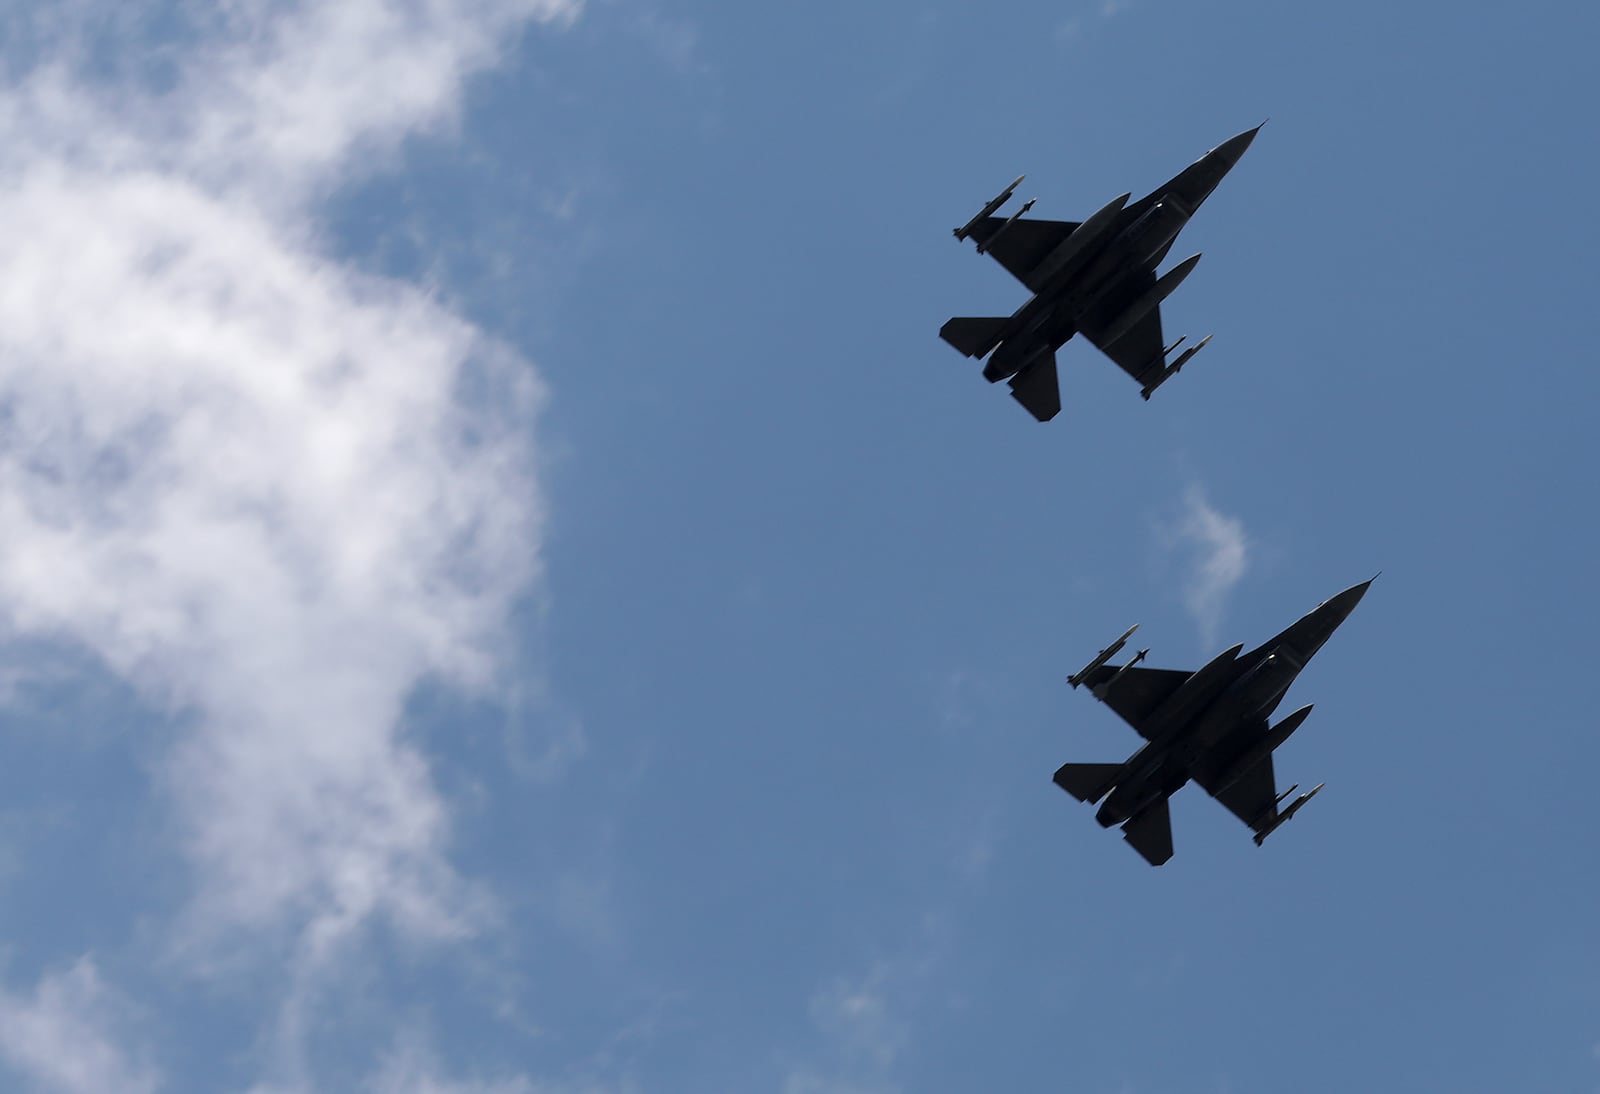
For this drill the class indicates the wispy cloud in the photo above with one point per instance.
(804, 1082)
(864, 1030)
(867, 1019)
(67, 1037)
(272, 492)
(856, 1013)
(411, 1068)
(676, 41)
(1218, 555)
(1072, 28)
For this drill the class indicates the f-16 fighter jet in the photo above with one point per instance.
(1097, 277)
(1210, 726)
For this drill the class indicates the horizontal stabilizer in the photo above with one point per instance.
(1150, 833)
(1037, 388)
(1087, 782)
(974, 336)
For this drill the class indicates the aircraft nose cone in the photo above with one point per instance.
(1231, 149)
(1345, 603)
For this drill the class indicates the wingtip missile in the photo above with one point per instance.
(1000, 231)
(1169, 371)
(1294, 807)
(1100, 690)
(1000, 199)
(1103, 656)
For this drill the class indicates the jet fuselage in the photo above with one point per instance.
(1049, 319)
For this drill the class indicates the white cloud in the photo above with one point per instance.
(64, 1038)
(868, 1020)
(273, 493)
(1069, 30)
(864, 1029)
(1219, 556)
(297, 97)
(411, 1069)
(857, 1015)
(804, 1082)
(674, 40)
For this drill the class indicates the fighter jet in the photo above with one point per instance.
(1097, 277)
(1210, 726)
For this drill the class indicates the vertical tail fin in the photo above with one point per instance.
(1037, 388)
(1150, 833)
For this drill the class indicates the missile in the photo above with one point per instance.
(1282, 818)
(1160, 359)
(1000, 199)
(1183, 358)
(1302, 799)
(1263, 747)
(1101, 690)
(1079, 246)
(1000, 231)
(1164, 287)
(1102, 657)
(1172, 370)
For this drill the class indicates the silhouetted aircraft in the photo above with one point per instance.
(1210, 726)
(1097, 277)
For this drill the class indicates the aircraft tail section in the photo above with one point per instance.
(1037, 388)
(1087, 782)
(974, 337)
(1150, 833)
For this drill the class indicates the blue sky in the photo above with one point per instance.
(504, 591)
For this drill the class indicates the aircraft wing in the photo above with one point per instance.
(1140, 348)
(1024, 245)
(1137, 692)
(1253, 795)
